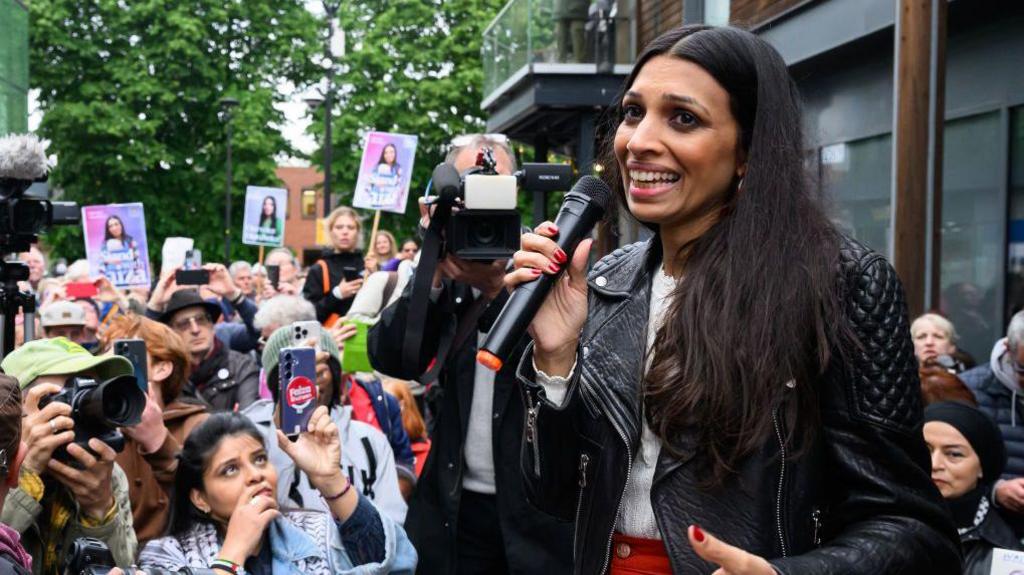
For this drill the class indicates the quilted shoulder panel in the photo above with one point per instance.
(611, 259)
(883, 384)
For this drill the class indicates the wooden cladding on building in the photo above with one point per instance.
(655, 17)
(748, 13)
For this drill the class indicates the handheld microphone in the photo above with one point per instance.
(581, 209)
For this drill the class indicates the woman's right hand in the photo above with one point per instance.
(557, 326)
(248, 522)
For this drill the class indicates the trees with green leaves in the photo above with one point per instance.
(413, 67)
(130, 92)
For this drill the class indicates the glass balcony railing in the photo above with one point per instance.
(528, 32)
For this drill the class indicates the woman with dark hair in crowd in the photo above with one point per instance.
(747, 370)
(226, 516)
(968, 456)
(150, 456)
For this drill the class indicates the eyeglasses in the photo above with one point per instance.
(467, 139)
(185, 323)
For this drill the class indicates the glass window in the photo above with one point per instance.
(716, 12)
(308, 204)
(1015, 251)
(856, 179)
(972, 224)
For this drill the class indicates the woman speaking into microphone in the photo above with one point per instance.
(739, 392)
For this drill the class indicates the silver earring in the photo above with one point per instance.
(739, 185)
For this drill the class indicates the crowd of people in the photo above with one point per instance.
(632, 432)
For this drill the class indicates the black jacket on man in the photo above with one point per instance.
(859, 501)
(534, 542)
(313, 290)
(226, 380)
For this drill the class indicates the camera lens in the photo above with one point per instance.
(485, 233)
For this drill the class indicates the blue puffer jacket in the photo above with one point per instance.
(995, 397)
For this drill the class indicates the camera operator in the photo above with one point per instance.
(288, 279)
(14, 560)
(469, 513)
(56, 503)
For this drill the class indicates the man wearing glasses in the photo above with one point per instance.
(997, 385)
(469, 514)
(222, 378)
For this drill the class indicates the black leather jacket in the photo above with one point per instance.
(860, 500)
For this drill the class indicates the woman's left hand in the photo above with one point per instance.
(317, 452)
(730, 560)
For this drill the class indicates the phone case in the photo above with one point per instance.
(274, 275)
(81, 290)
(297, 371)
(135, 351)
(303, 331)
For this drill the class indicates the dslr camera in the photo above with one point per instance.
(487, 225)
(89, 556)
(98, 409)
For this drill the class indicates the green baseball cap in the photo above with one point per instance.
(59, 356)
(282, 338)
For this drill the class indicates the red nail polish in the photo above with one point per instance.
(553, 229)
(560, 256)
(554, 268)
(698, 534)
(535, 271)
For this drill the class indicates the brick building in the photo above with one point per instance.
(305, 207)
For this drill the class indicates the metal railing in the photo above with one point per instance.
(526, 32)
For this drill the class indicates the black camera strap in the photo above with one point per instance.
(422, 282)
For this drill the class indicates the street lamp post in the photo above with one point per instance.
(227, 104)
(331, 9)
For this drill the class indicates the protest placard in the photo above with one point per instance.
(264, 216)
(115, 243)
(385, 172)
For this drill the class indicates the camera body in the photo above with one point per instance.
(487, 225)
(90, 556)
(98, 409)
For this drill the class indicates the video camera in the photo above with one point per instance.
(98, 409)
(90, 556)
(24, 216)
(487, 225)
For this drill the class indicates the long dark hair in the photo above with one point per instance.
(193, 460)
(395, 166)
(125, 238)
(759, 304)
(269, 220)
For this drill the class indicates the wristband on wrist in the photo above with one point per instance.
(237, 300)
(348, 485)
(225, 565)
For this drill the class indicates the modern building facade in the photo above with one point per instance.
(841, 53)
(13, 66)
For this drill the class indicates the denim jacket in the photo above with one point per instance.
(301, 543)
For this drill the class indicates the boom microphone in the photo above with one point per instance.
(581, 209)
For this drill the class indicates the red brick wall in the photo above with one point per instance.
(300, 233)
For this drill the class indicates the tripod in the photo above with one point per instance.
(12, 299)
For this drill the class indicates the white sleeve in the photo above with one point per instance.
(387, 496)
(555, 387)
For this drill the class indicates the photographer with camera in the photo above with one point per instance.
(66, 491)
(150, 455)
(469, 513)
(334, 280)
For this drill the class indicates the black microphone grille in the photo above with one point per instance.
(595, 189)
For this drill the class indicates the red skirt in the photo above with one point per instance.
(635, 556)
